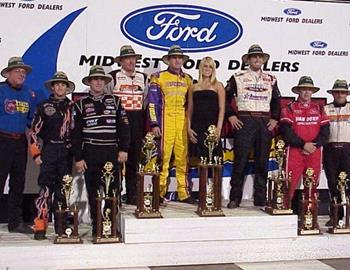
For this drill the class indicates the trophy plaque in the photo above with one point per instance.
(278, 201)
(308, 211)
(67, 217)
(107, 209)
(147, 205)
(340, 226)
(210, 187)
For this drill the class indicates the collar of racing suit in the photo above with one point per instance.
(132, 75)
(336, 104)
(96, 97)
(181, 73)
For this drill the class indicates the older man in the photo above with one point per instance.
(167, 96)
(337, 151)
(101, 133)
(130, 86)
(17, 104)
(305, 127)
(257, 97)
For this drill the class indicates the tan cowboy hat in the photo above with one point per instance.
(60, 76)
(340, 86)
(255, 49)
(305, 82)
(125, 51)
(175, 50)
(96, 71)
(15, 62)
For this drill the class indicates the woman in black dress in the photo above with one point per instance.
(205, 107)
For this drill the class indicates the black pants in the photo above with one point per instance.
(336, 160)
(253, 135)
(57, 162)
(13, 162)
(95, 157)
(136, 121)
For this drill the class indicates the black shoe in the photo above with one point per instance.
(261, 204)
(21, 228)
(232, 205)
(188, 200)
(40, 235)
(161, 200)
(329, 223)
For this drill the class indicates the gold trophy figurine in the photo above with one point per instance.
(278, 202)
(308, 211)
(67, 232)
(107, 212)
(341, 226)
(147, 205)
(210, 189)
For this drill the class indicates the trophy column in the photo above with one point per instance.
(308, 212)
(107, 210)
(67, 234)
(340, 226)
(210, 187)
(148, 198)
(278, 201)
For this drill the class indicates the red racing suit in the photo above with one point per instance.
(166, 109)
(302, 123)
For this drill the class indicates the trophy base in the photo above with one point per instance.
(212, 213)
(103, 240)
(66, 240)
(153, 214)
(339, 230)
(273, 211)
(309, 232)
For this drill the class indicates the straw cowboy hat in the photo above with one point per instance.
(15, 62)
(175, 50)
(255, 49)
(126, 51)
(60, 76)
(305, 82)
(96, 71)
(340, 86)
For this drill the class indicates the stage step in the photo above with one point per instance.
(182, 224)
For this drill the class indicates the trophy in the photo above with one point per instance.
(147, 205)
(210, 188)
(340, 226)
(107, 209)
(278, 201)
(41, 220)
(308, 211)
(66, 229)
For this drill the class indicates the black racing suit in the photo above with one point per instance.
(101, 129)
(52, 123)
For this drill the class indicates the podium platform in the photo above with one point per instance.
(245, 234)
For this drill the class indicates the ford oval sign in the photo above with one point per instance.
(292, 11)
(194, 28)
(318, 44)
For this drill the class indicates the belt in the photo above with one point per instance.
(99, 142)
(339, 144)
(12, 135)
(254, 114)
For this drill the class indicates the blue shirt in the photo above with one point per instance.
(16, 108)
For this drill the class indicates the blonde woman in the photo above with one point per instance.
(205, 107)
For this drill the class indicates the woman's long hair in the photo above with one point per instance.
(207, 60)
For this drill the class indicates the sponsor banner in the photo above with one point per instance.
(302, 38)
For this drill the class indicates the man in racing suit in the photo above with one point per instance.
(17, 104)
(305, 128)
(336, 153)
(257, 98)
(166, 108)
(130, 86)
(101, 133)
(52, 123)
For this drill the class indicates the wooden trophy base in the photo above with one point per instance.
(104, 240)
(210, 213)
(309, 232)
(67, 240)
(338, 230)
(152, 214)
(272, 211)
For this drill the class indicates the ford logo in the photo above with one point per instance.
(194, 28)
(292, 11)
(318, 44)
